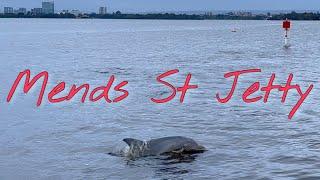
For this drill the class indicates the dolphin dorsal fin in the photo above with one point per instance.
(131, 141)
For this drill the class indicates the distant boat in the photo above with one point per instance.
(234, 30)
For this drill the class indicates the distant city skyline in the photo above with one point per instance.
(169, 5)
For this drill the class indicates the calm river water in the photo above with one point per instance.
(71, 140)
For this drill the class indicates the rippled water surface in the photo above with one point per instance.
(71, 140)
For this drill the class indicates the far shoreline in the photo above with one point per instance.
(306, 16)
(157, 19)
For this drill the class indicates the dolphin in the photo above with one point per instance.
(175, 145)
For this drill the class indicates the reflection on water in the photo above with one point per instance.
(165, 167)
(72, 140)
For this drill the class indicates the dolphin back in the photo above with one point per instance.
(175, 144)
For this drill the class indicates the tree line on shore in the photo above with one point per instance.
(230, 16)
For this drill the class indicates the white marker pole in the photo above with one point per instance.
(286, 26)
(286, 39)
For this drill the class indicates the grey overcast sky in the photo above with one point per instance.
(172, 5)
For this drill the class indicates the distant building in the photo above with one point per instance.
(65, 11)
(36, 11)
(48, 7)
(102, 10)
(208, 14)
(8, 10)
(75, 12)
(243, 14)
(21, 11)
